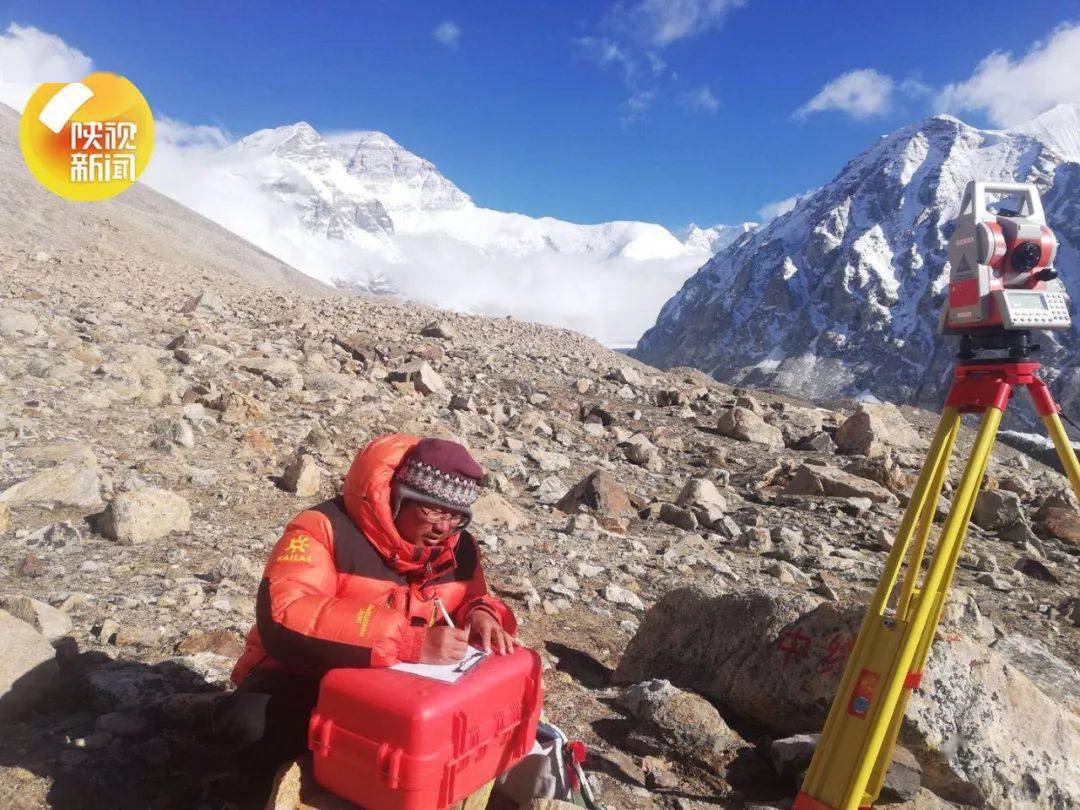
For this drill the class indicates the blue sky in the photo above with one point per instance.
(661, 110)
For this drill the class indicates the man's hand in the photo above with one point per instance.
(444, 645)
(487, 634)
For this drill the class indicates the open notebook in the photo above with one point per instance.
(448, 673)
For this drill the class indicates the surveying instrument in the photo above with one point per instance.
(1002, 286)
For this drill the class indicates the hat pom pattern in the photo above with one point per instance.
(453, 490)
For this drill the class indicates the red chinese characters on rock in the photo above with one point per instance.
(828, 658)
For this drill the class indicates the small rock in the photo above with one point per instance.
(145, 514)
(687, 721)
(440, 329)
(745, 425)
(53, 624)
(67, 484)
(302, 476)
(619, 595)
(874, 428)
(221, 642)
(997, 509)
(27, 666)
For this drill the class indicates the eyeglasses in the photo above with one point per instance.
(435, 515)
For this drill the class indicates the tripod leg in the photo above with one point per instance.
(1048, 411)
(926, 614)
(827, 778)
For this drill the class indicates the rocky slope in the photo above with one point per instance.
(140, 230)
(160, 427)
(841, 295)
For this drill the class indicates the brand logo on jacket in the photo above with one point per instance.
(297, 550)
(363, 618)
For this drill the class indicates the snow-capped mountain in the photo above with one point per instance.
(1058, 127)
(714, 239)
(841, 295)
(359, 210)
(366, 188)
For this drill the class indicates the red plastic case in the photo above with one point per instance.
(390, 740)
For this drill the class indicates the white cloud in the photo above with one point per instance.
(448, 33)
(859, 93)
(659, 23)
(29, 57)
(780, 207)
(1013, 91)
(635, 106)
(632, 37)
(700, 99)
(606, 53)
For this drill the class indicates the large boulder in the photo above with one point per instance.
(27, 666)
(874, 428)
(983, 732)
(745, 425)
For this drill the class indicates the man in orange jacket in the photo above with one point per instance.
(381, 574)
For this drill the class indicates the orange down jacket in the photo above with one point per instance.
(343, 589)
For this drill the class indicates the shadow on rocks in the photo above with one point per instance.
(580, 666)
(118, 734)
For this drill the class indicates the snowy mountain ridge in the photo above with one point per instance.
(367, 188)
(840, 296)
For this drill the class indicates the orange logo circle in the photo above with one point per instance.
(87, 140)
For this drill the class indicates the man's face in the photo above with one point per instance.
(424, 525)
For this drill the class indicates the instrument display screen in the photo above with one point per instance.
(1030, 302)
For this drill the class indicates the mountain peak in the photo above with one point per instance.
(1058, 127)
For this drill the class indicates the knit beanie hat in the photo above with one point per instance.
(439, 473)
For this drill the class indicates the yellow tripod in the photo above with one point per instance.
(890, 653)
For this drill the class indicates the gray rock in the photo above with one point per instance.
(17, 322)
(67, 484)
(423, 377)
(549, 461)
(302, 476)
(701, 496)
(27, 666)
(1054, 675)
(875, 428)
(811, 479)
(282, 373)
(686, 721)
(678, 516)
(619, 595)
(790, 756)
(639, 450)
(442, 329)
(601, 495)
(745, 425)
(997, 509)
(53, 624)
(983, 731)
(206, 302)
(145, 514)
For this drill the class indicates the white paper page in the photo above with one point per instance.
(448, 673)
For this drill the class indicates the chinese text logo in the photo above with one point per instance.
(87, 140)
